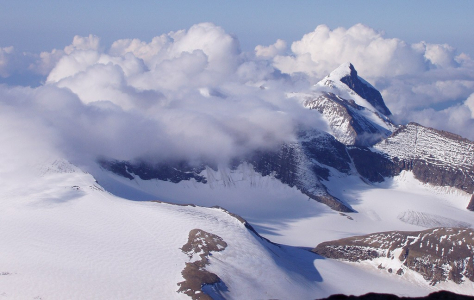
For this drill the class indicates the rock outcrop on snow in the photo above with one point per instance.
(439, 254)
(199, 246)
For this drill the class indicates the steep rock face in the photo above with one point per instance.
(471, 204)
(365, 90)
(170, 171)
(371, 165)
(434, 156)
(439, 254)
(303, 164)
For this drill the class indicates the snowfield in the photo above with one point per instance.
(65, 237)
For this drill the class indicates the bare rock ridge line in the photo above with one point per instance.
(439, 254)
(199, 246)
(365, 90)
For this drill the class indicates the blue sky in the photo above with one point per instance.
(32, 25)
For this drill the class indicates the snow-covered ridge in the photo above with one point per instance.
(353, 108)
(302, 164)
(345, 82)
(436, 157)
(414, 141)
(350, 123)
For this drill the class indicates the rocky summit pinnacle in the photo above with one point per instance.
(364, 89)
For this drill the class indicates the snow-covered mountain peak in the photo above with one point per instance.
(354, 109)
(345, 82)
(346, 69)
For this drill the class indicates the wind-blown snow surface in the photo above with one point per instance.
(64, 237)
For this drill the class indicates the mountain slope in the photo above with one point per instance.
(304, 164)
(354, 109)
(434, 156)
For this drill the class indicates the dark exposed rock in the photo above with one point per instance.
(282, 164)
(195, 275)
(441, 295)
(372, 165)
(365, 90)
(170, 171)
(201, 242)
(326, 150)
(440, 175)
(438, 254)
(331, 201)
(471, 204)
(302, 165)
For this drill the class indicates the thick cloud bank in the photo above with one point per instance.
(192, 94)
(189, 95)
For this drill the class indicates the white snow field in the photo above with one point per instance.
(284, 215)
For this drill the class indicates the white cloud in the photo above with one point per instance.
(90, 42)
(5, 54)
(188, 94)
(440, 55)
(193, 94)
(271, 51)
(470, 104)
(321, 51)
